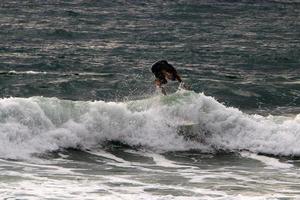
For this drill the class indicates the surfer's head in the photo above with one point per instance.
(163, 71)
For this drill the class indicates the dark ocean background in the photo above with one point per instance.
(244, 53)
(80, 117)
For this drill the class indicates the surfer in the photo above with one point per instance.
(163, 71)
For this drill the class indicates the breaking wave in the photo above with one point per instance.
(38, 125)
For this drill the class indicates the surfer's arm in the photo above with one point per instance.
(178, 78)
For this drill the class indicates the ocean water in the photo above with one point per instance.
(80, 117)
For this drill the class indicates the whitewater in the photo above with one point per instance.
(37, 125)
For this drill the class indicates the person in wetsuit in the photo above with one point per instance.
(163, 71)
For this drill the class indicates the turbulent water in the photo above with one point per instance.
(80, 117)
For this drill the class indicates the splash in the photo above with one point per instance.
(38, 125)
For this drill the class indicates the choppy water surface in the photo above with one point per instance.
(80, 118)
(128, 174)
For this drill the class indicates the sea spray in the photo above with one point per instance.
(37, 125)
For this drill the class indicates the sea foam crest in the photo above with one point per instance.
(37, 125)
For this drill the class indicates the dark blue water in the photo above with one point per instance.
(245, 54)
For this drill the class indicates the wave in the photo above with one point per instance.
(24, 72)
(30, 72)
(38, 125)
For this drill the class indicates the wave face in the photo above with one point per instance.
(39, 125)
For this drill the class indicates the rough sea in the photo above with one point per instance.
(80, 117)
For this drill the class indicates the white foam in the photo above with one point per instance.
(31, 72)
(160, 160)
(270, 162)
(26, 72)
(108, 156)
(119, 162)
(37, 125)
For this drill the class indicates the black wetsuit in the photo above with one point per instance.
(160, 66)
